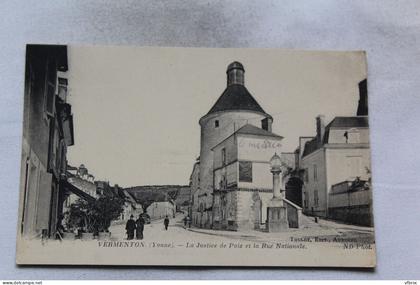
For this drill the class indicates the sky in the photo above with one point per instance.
(136, 110)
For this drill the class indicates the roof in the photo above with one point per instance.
(236, 97)
(345, 123)
(235, 65)
(253, 130)
(310, 147)
(337, 122)
(59, 52)
(76, 189)
(349, 122)
(128, 196)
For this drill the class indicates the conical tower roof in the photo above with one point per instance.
(236, 96)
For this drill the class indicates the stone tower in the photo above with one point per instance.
(234, 108)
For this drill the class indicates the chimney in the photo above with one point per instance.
(320, 129)
(235, 73)
(362, 109)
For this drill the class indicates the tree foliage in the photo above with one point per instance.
(146, 197)
(96, 215)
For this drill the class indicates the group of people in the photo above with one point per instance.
(137, 227)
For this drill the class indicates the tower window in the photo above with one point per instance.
(216, 123)
(264, 124)
(223, 156)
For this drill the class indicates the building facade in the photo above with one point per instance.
(195, 186)
(242, 178)
(47, 133)
(340, 152)
(232, 174)
(331, 171)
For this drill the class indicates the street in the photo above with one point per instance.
(323, 230)
(155, 231)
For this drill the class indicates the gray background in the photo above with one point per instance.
(388, 30)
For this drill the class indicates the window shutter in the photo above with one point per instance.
(50, 87)
(245, 171)
(49, 99)
(62, 88)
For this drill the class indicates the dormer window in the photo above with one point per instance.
(264, 124)
(216, 123)
(352, 136)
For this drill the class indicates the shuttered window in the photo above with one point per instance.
(50, 85)
(245, 171)
(62, 88)
(316, 198)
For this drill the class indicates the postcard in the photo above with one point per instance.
(195, 157)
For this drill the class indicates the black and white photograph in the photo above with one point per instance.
(195, 157)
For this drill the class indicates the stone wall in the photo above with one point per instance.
(357, 215)
(294, 214)
(352, 207)
(252, 208)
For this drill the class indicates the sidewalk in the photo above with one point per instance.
(339, 225)
(265, 236)
(324, 228)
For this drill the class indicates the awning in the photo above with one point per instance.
(82, 194)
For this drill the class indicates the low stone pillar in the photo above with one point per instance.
(299, 217)
(277, 219)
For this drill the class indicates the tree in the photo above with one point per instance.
(105, 210)
(96, 215)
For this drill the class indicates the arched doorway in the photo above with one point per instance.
(294, 190)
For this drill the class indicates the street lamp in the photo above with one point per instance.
(276, 211)
(275, 163)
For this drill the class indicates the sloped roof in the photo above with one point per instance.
(236, 97)
(76, 189)
(349, 122)
(253, 130)
(337, 122)
(310, 147)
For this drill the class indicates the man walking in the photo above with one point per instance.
(166, 222)
(130, 227)
(139, 227)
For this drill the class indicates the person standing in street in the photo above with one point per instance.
(130, 227)
(166, 222)
(185, 222)
(139, 227)
(189, 220)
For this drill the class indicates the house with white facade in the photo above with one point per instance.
(242, 178)
(340, 153)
